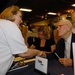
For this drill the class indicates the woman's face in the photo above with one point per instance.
(41, 35)
(18, 18)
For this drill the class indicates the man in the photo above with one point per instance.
(63, 50)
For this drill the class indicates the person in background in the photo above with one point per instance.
(31, 35)
(63, 52)
(73, 21)
(44, 42)
(11, 40)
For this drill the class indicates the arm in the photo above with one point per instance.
(30, 53)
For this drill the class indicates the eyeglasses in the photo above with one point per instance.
(61, 25)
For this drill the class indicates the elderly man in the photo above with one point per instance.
(63, 50)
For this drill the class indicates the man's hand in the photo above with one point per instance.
(65, 61)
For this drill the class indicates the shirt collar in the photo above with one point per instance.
(69, 39)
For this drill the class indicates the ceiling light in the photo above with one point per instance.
(27, 10)
(73, 5)
(51, 13)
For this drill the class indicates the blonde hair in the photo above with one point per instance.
(46, 31)
(9, 12)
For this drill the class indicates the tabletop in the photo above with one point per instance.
(54, 68)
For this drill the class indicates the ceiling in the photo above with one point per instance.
(40, 8)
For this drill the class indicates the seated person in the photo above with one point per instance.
(64, 45)
(44, 42)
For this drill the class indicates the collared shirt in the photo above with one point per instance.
(68, 46)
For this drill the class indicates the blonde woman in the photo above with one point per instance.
(11, 40)
(44, 42)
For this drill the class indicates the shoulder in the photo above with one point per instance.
(51, 39)
(9, 27)
(6, 23)
(61, 41)
(73, 37)
(73, 34)
(37, 39)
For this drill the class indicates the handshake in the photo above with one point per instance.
(34, 52)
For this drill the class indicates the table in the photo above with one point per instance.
(54, 67)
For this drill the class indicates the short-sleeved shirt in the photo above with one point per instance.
(47, 47)
(11, 43)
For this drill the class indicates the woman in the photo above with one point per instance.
(44, 42)
(11, 40)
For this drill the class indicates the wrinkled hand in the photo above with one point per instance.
(65, 61)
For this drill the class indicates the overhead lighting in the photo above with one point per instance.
(51, 13)
(27, 10)
(73, 5)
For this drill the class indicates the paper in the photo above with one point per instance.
(41, 64)
(73, 45)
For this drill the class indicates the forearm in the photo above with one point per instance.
(30, 53)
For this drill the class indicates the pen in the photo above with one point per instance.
(57, 55)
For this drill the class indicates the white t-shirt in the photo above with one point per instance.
(11, 42)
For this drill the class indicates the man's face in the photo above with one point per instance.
(62, 28)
